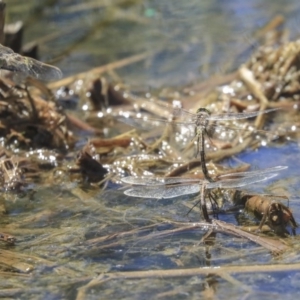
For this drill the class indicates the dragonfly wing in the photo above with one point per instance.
(144, 192)
(157, 181)
(41, 70)
(180, 112)
(163, 192)
(239, 116)
(235, 183)
(255, 172)
(4, 51)
(9, 60)
(144, 122)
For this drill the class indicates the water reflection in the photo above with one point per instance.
(195, 38)
(62, 239)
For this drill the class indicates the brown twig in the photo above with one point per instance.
(99, 70)
(2, 21)
(175, 273)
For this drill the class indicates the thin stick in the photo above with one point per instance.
(172, 273)
(114, 65)
(2, 21)
(255, 88)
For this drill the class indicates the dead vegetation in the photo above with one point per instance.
(73, 155)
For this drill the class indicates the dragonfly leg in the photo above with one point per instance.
(214, 205)
(263, 220)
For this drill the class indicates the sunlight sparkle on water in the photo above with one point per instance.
(176, 104)
(78, 85)
(147, 173)
(223, 134)
(124, 114)
(52, 158)
(165, 145)
(227, 90)
(263, 143)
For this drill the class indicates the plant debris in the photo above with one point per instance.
(73, 140)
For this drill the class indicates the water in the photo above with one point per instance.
(198, 38)
(69, 235)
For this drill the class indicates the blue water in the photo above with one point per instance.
(266, 157)
(198, 38)
(193, 40)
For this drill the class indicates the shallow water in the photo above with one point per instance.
(198, 38)
(57, 226)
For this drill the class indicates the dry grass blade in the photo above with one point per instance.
(274, 245)
(97, 71)
(142, 235)
(74, 231)
(173, 273)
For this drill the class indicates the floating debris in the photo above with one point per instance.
(89, 165)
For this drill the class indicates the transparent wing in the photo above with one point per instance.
(192, 117)
(162, 188)
(239, 116)
(158, 181)
(236, 183)
(218, 127)
(144, 121)
(254, 173)
(178, 112)
(188, 116)
(40, 70)
(163, 192)
(14, 62)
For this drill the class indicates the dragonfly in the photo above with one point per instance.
(200, 120)
(11, 61)
(172, 187)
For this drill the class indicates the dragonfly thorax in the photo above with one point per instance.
(202, 118)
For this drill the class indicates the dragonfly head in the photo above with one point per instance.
(203, 110)
(202, 118)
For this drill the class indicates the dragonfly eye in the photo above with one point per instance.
(203, 110)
